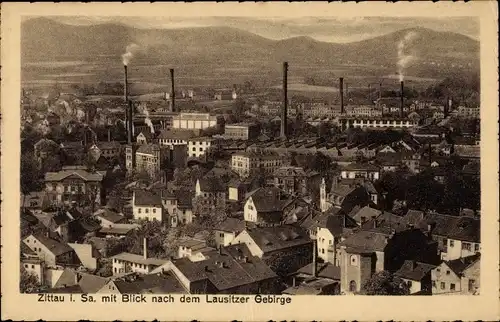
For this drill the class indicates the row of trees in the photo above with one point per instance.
(423, 191)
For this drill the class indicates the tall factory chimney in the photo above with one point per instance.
(341, 93)
(172, 94)
(284, 111)
(402, 99)
(369, 92)
(447, 107)
(128, 108)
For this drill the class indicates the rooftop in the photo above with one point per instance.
(270, 239)
(146, 198)
(270, 199)
(160, 283)
(74, 173)
(414, 271)
(54, 246)
(139, 259)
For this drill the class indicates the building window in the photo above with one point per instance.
(447, 272)
(476, 247)
(26, 265)
(139, 210)
(221, 235)
(154, 210)
(443, 285)
(409, 284)
(33, 266)
(354, 260)
(472, 284)
(452, 287)
(352, 286)
(434, 284)
(452, 243)
(467, 246)
(147, 210)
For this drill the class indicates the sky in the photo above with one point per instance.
(329, 29)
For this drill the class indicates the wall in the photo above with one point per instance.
(223, 238)
(109, 288)
(38, 269)
(471, 273)
(415, 285)
(349, 272)
(52, 276)
(456, 251)
(147, 213)
(120, 266)
(84, 253)
(244, 238)
(443, 274)
(249, 211)
(325, 242)
(42, 252)
(233, 193)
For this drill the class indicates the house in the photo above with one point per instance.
(151, 158)
(457, 236)
(147, 205)
(35, 200)
(315, 279)
(331, 227)
(268, 205)
(416, 275)
(74, 184)
(108, 217)
(230, 270)
(172, 137)
(192, 248)
(117, 230)
(368, 171)
(34, 266)
(458, 276)
(251, 162)
(345, 195)
(225, 95)
(227, 231)
(412, 161)
(294, 180)
(87, 255)
(71, 151)
(145, 137)
(51, 251)
(107, 149)
(193, 120)
(284, 248)
(127, 262)
(241, 131)
(210, 192)
(365, 214)
(366, 252)
(159, 283)
(237, 189)
(198, 147)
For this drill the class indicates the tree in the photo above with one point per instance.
(29, 282)
(384, 283)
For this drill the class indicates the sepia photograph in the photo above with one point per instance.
(249, 158)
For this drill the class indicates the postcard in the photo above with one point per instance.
(250, 161)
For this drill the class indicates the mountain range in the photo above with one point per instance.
(44, 39)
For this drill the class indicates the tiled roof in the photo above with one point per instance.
(139, 259)
(366, 212)
(146, 198)
(325, 270)
(79, 173)
(161, 283)
(118, 229)
(108, 145)
(211, 184)
(54, 246)
(177, 134)
(342, 190)
(385, 222)
(46, 144)
(270, 199)
(227, 269)
(365, 242)
(270, 239)
(109, 215)
(361, 167)
(90, 283)
(461, 264)
(414, 271)
(453, 227)
(290, 172)
(413, 217)
(232, 225)
(148, 148)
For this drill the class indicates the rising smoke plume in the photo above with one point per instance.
(404, 59)
(147, 120)
(131, 50)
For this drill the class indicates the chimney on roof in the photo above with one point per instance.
(172, 90)
(145, 248)
(314, 270)
(402, 99)
(341, 94)
(284, 110)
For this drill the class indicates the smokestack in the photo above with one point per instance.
(172, 94)
(402, 98)
(447, 106)
(109, 135)
(379, 91)
(314, 269)
(145, 248)
(125, 85)
(341, 91)
(369, 92)
(284, 111)
(130, 118)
